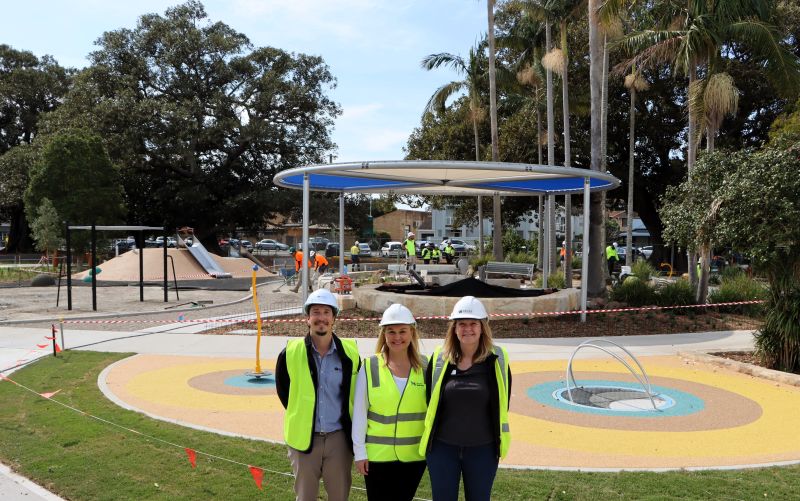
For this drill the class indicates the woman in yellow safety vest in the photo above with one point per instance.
(389, 410)
(466, 425)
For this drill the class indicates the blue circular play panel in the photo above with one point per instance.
(245, 381)
(616, 398)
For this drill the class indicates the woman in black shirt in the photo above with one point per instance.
(466, 427)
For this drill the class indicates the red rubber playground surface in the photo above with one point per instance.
(705, 416)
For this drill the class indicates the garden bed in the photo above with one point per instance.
(361, 323)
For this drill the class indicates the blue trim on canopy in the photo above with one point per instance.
(544, 185)
(344, 183)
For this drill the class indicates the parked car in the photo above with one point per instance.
(171, 242)
(646, 251)
(461, 247)
(332, 249)
(364, 249)
(315, 243)
(247, 244)
(393, 249)
(622, 252)
(271, 245)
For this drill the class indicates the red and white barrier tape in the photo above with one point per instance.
(432, 317)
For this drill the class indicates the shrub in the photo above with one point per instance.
(739, 287)
(577, 263)
(521, 257)
(678, 293)
(643, 270)
(634, 292)
(554, 280)
(476, 261)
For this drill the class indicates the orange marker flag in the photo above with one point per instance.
(258, 475)
(58, 348)
(49, 394)
(41, 345)
(192, 457)
(49, 338)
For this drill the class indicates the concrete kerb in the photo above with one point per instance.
(130, 314)
(743, 367)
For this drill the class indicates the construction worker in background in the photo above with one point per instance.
(298, 262)
(611, 257)
(426, 254)
(315, 380)
(354, 256)
(449, 252)
(410, 246)
(436, 254)
(319, 265)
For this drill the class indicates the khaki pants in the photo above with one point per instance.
(299, 281)
(330, 458)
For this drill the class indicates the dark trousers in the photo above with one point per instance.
(393, 480)
(448, 463)
(611, 263)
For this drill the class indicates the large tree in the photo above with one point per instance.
(29, 87)
(201, 120)
(76, 175)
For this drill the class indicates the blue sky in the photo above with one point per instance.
(373, 48)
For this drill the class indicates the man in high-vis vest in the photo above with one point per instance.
(355, 257)
(315, 379)
(410, 246)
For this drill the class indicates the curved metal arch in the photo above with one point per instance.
(590, 344)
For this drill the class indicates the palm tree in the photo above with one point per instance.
(634, 82)
(691, 39)
(474, 78)
(525, 39)
(596, 279)
(497, 234)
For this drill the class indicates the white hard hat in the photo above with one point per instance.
(410, 234)
(469, 307)
(397, 314)
(356, 242)
(324, 297)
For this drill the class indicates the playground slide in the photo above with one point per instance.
(205, 260)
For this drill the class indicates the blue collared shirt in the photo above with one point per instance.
(329, 390)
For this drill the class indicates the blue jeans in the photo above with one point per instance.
(448, 463)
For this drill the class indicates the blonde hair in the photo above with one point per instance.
(413, 347)
(452, 346)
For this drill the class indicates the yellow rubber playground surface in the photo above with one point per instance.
(704, 417)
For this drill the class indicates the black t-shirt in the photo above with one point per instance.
(465, 407)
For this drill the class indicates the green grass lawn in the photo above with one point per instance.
(81, 458)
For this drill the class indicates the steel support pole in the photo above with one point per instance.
(306, 250)
(546, 245)
(341, 233)
(141, 265)
(93, 269)
(166, 282)
(69, 268)
(480, 226)
(585, 251)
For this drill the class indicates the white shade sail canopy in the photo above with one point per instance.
(434, 177)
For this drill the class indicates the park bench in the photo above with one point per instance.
(495, 267)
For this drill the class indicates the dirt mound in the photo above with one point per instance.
(125, 268)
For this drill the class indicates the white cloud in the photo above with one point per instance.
(360, 111)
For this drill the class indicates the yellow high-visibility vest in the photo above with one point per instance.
(394, 422)
(298, 423)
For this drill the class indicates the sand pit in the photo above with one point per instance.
(125, 268)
